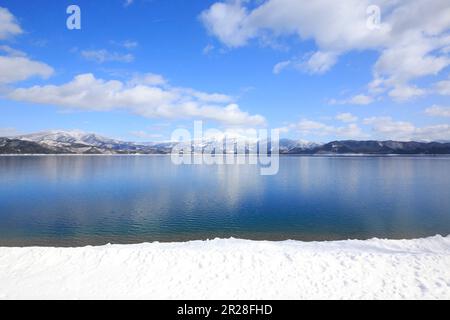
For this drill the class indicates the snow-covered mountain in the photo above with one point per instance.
(289, 146)
(77, 142)
(68, 138)
(81, 142)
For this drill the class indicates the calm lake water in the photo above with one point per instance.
(84, 200)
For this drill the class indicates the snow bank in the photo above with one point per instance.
(231, 269)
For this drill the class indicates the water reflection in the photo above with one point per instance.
(74, 200)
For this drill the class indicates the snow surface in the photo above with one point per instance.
(231, 269)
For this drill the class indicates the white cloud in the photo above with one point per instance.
(128, 3)
(360, 99)
(146, 135)
(9, 132)
(320, 62)
(319, 129)
(411, 38)
(15, 66)
(102, 56)
(407, 61)
(410, 60)
(314, 63)
(228, 22)
(387, 128)
(280, 66)
(9, 26)
(438, 111)
(443, 87)
(405, 92)
(332, 24)
(149, 79)
(206, 97)
(12, 52)
(346, 117)
(351, 131)
(377, 128)
(306, 125)
(85, 92)
(14, 69)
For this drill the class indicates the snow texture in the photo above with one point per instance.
(231, 269)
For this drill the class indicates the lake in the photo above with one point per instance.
(94, 200)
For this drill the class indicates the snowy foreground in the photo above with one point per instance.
(231, 269)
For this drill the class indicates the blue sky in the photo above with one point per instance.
(137, 71)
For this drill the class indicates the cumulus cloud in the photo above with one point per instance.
(319, 129)
(150, 79)
(9, 26)
(386, 127)
(229, 22)
(14, 69)
(15, 66)
(346, 117)
(410, 59)
(405, 92)
(102, 56)
(443, 87)
(320, 62)
(360, 99)
(376, 128)
(235, 23)
(438, 111)
(411, 38)
(146, 98)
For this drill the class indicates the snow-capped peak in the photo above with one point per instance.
(55, 137)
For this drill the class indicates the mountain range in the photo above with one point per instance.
(76, 142)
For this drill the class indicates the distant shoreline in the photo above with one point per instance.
(445, 155)
(91, 144)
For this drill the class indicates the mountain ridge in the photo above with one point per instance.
(78, 142)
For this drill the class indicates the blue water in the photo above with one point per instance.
(83, 200)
